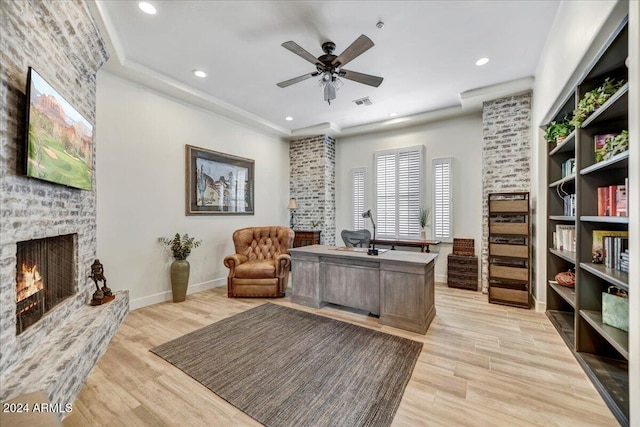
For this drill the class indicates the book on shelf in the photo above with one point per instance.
(624, 261)
(612, 200)
(613, 247)
(565, 237)
(599, 142)
(569, 202)
(569, 167)
(597, 243)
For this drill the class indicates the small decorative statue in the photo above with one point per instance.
(97, 275)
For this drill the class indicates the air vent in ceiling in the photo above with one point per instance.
(363, 101)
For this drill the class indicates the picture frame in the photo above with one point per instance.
(218, 183)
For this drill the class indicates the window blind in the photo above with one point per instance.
(358, 202)
(399, 190)
(443, 199)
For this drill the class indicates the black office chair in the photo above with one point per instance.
(356, 238)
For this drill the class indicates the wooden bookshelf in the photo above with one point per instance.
(601, 350)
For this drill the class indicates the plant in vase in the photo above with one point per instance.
(616, 145)
(180, 247)
(424, 220)
(558, 131)
(593, 99)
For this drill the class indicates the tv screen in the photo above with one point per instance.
(59, 138)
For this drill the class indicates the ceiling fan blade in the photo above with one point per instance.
(366, 79)
(295, 48)
(296, 79)
(357, 48)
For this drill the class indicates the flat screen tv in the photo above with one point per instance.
(59, 138)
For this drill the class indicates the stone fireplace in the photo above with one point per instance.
(51, 337)
(45, 276)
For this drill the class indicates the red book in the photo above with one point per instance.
(611, 200)
(621, 201)
(602, 200)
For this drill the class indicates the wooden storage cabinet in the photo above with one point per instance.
(306, 238)
(462, 272)
(509, 240)
(601, 350)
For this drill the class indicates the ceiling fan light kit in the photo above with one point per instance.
(329, 66)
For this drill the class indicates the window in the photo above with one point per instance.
(358, 190)
(443, 199)
(399, 190)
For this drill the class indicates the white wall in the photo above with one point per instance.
(140, 166)
(460, 138)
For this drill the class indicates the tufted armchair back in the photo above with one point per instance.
(263, 243)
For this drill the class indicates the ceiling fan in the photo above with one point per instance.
(329, 66)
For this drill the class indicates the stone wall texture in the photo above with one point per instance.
(506, 157)
(312, 183)
(60, 41)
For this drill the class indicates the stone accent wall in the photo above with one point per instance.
(506, 157)
(60, 41)
(312, 183)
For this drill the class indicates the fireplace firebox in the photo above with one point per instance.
(45, 276)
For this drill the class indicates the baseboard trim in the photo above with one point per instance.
(145, 301)
(540, 306)
(441, 278)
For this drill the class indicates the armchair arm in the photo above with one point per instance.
(283, 261)
(232, 261)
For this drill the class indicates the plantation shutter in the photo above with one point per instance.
(358, 203)
(443, 199)
(399, 189)
(386, 201)
(409, 200)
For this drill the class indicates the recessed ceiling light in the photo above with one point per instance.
(288, 118)
(147, 7)
(393, 114)
(482, 61)
(200, 73)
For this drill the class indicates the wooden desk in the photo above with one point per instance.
(422, 244)
(396, 285)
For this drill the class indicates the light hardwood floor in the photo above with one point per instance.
(481, 365)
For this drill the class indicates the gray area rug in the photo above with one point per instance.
(286, 367)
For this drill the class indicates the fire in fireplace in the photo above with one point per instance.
(45, 276)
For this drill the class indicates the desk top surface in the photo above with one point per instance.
(406, 242)
(361, 253)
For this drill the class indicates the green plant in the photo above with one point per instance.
(557, 130)
(593, 99)
(616, 145)
(424, 217)
(181, 246)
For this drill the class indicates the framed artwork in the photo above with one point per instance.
(218, 183)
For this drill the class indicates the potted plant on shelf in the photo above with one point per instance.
(593, 99)
(180, 247)
(558, 131)
(424, 219)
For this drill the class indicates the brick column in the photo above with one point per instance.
(312, 182)
(506, 157)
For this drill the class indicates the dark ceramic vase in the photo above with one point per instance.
(179, 279)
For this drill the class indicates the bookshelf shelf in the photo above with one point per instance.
(615, 108)
(610, 275)
(568, 145)
(562, 218)
(566, 255)
(601, 350)
(570, 178)
(567, 294)
(605, 219)
(619, 161)
(618, 338)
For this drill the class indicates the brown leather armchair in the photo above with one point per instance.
(260, 266)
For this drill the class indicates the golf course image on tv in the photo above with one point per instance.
(59, 138)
